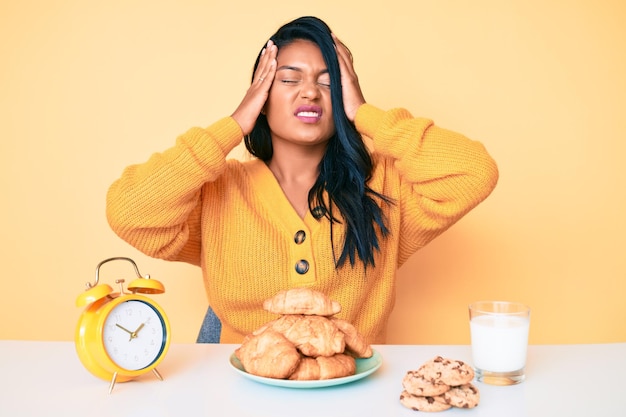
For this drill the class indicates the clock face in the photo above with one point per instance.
(134, 335)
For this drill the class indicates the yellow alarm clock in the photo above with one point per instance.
(122, 335)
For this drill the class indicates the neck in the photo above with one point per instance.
(296, 169)
(296, 165)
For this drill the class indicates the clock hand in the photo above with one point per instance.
(127, 331)
(134, 334)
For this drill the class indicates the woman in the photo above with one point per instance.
(315, 207)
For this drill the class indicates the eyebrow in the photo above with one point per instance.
(292, 68)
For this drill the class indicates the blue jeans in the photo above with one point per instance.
(211, 328)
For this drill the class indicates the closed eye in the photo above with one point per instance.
(290, 71)
(324, 80)
(325, 84)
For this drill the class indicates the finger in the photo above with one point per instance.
(352, 94)
(344, 57)
(252, 104)
(342, 50)
(267, 64)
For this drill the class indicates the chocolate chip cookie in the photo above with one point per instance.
(449, 371)
(416, 383)
(419, 403)
(463, 396)
(439, 384)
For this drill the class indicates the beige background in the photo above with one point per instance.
(88, 87)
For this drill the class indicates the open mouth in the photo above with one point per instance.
(309, 114)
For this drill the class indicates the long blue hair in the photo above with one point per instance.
(346, 166)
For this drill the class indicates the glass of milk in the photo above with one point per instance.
(499, 332)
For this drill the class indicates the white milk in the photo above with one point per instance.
(499, 342)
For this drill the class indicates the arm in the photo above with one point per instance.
(442, 174)
(441, 164)
(154, 206)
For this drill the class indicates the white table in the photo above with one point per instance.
(46, 378)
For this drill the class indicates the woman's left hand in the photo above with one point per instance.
(352, 94)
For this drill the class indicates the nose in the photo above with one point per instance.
(310, 89)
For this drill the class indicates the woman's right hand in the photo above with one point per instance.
(256, 96)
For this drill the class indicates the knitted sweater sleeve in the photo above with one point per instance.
(155, 206)
(441, 174)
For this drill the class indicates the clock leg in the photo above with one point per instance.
(112, 382)
(158, 375)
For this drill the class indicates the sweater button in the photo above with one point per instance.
(318, 212)
(302, 267)
(299, 237)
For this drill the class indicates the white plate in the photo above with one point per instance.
(364, 367)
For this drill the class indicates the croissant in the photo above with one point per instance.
(356, 345)
(336, 366)
(322, 367)
(312, 335)
(308, 370)
(306, 342)
(302, 301)
(285, 322)
(268, 354)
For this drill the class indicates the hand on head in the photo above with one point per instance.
(254, 101)
(351, 89)
(252, 104)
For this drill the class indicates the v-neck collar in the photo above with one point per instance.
(266, 187)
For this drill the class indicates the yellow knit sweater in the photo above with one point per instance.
(230, 217)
